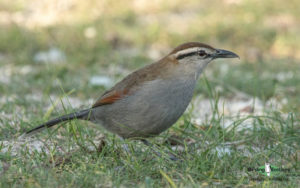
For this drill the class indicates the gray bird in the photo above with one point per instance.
(151, 99)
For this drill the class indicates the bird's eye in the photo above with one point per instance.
(202, 53)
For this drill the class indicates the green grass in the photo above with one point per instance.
(264, 34)
(273, 139)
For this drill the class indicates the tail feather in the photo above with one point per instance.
(84, 114)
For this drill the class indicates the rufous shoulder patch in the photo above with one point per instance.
(109, 98)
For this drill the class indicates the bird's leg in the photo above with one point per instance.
(151, 147)
(125, 146)
(157, 153)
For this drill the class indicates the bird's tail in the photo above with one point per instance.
(83, 114)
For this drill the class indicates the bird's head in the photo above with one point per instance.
(196, 56)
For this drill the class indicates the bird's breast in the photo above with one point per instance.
(162, 100)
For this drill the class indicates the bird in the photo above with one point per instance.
(151, 99)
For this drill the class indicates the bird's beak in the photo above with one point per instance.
(224, 54)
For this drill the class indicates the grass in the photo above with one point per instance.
(273, 138)
(127, 36)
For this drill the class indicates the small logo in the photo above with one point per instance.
(271, 171)
(268, 170)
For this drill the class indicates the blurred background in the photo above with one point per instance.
(54, 48)
(60, 55)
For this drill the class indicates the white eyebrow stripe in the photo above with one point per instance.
(187, 51)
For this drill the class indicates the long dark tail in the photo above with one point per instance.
(84, 114)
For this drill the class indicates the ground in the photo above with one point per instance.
(59, 56)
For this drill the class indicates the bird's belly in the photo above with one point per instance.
(150, 111)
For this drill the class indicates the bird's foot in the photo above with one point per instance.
(157, 153)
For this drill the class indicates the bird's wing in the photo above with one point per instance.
(109, 97)
(130, 83)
